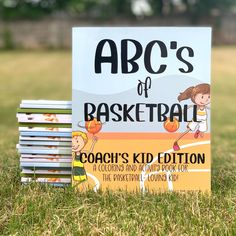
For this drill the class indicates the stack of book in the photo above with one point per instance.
(45, 141)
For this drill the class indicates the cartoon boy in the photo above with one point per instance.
(79, 140)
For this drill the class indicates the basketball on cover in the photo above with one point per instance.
(171, 126)
(93, 126)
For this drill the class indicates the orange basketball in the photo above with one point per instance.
(171, 126)
(93, 126)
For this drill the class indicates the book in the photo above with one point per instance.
(45, 106)
(46, 180)
(46, 102)
(46, 165)
(44, 118)
(51, 138)
(59, 185)
(43, 111)
(141, 108)
(43, 150)
(44, 125)
(45, 176)
(45, 172)
(45, 133)
(39, 160)
(37, 156)
(45, 143)
(44, 129)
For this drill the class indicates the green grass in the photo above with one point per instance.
(41, 210)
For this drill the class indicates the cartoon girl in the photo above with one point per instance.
(200, 96)
(79, 140)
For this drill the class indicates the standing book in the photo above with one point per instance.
(141, 108)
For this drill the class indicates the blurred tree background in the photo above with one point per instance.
(47, 23)
(105, 9)
(29, 9)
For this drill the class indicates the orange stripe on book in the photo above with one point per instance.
(124, 135)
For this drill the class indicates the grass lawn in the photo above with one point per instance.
(41, 210)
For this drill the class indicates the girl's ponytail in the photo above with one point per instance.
(186, 94)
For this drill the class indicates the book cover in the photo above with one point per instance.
(141, 108)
